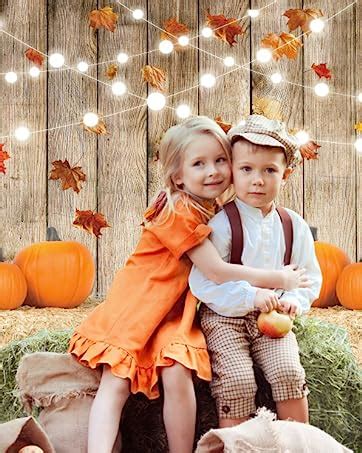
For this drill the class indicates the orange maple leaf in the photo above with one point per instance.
(301, 18)
(358, 127)
(285, 44)
(3, 156)
(90, 221)
(99, 129)
(34, 56)
(71, 177)
(224, 29)
(309, 150)
(173, 30)
(112, 71)
(104, 17)
(321, 70)
(271, 108)
(155, 76)
(224, 125)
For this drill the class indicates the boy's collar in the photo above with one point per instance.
(251, 211)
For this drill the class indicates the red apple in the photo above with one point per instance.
(274, 324)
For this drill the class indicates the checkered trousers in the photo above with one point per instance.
(234, 344)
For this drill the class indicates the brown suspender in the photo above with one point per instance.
(237, 239)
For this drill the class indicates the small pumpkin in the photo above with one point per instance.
(58, 273)
(349, 286)
(12, 286)
(332, 260)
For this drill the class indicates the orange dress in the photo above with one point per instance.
(147, 320)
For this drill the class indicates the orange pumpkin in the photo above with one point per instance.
(349, 286)
(58, 273)
(12, 286)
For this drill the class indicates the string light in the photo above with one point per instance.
(138, 14)
(183, 40)
(22, 133)
(229, 61)
(253, 13)
(302, 137)
(122, 58)
(207, 32)
(11, 77)
(358, 145)
(316, 25)
(82, 66)
(90, 119)
(359, 97)
(165, 46)
(183, 111)
(119, 88)
(207, 80)
(34, 71)
(321, 89)
(276, 77)
(156, 101)
(56, 60)
(264, 55)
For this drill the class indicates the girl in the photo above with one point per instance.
(145, 329)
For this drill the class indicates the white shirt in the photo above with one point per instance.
(264, 247)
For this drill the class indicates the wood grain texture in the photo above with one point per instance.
(358, 118)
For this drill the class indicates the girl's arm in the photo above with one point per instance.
(207, 259)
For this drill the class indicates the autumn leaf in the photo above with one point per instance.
(34, 56)
(301, 18)
(155, 76)
(321, 70)
(103, 18)
(357, 126)
(112, 71)
(224, 29)
(173, 30)
(99, 129)
(224, 126)
(3, 156)
(309, 150)
(268, 107)
(285, 44)
(90, 221)
(71, 177)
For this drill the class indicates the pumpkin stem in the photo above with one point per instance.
(1, 255)
(52, 234)
(314, 233)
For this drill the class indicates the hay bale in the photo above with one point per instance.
(333, 376)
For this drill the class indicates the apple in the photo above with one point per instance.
(274, 324)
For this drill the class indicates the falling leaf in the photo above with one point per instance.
(224, 29)
(3, 156)
(90, 221)
(224, 126)
(173, 30)
(99, 129)
(358, 127)
(285, 44)
(301, 18)
(309, 150)
(34, 56)
(155, 76)
(112, 71)
(71, 177)
(321, 70)
(268, 107)
(104, 17)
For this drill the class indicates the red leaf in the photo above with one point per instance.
(70, 177)
(309, 150)
(321, 70)
(3, 156)
(91, 222)
(224, 29)
(34, 56)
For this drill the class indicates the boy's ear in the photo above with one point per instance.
(287, 172)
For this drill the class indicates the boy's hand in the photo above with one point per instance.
(265, 300)
(294, 277)
(290, 307)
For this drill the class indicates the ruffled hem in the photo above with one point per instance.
(95, 353)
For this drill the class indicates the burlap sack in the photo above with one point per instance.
(64, 390)
(263, 434)
(21, 432)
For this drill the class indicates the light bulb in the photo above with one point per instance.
(90, 119)
(183, 111)
(82, 66)
(229, 61)
(253, 12)
(317, 25)
(22, 133)
(11, 77)
(119, 88)
(138, 14)
(183, 40)
(207, 32)
(34, 71)
(321, 89)
(358, 145)
(56, 60)
(207, 80)
(302, 137)
(122, 57)
(359, 97)
(165, 46)
(276, 77)
(264, 55)
(156, 101)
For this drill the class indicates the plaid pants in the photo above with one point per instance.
(234, 344)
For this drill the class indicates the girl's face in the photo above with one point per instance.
(205, 170)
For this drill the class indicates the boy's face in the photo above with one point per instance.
(258, 173)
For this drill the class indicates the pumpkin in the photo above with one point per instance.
(58, 273)
(332, 260)
(12, 286)
(349, 286)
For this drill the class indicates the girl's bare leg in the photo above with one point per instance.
(105, 414)
(179, 410)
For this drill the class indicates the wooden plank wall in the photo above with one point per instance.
(122, 173)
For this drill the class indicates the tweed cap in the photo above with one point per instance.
(262, 131)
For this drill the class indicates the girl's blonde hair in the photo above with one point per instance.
(171, 153)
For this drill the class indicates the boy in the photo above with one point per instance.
(264, 156)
